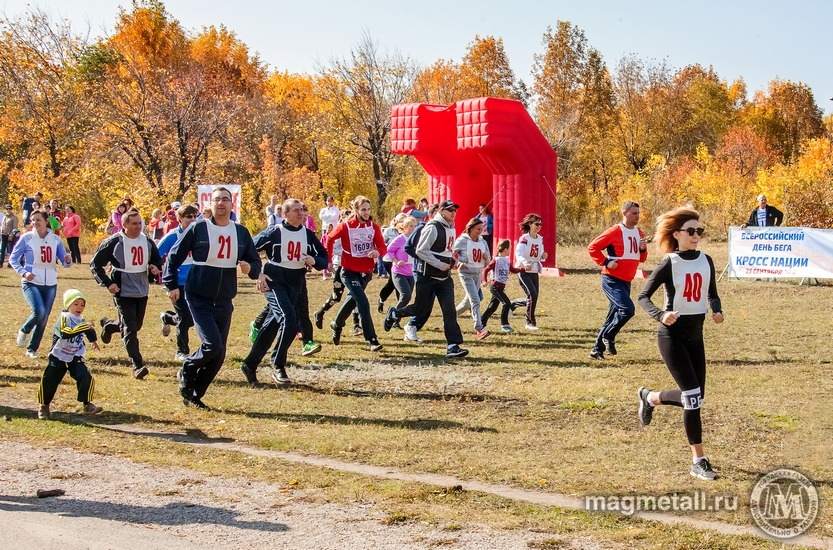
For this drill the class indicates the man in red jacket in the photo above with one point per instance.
(626, 247)
(362, 242)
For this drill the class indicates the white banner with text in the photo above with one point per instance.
(204, 197)
(780, 252)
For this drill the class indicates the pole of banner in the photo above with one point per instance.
(722, 273)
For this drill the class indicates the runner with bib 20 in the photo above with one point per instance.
(131, 254)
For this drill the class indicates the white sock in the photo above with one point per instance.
(698, 459)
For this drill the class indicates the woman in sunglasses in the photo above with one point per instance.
(529, 255)
(690, 289)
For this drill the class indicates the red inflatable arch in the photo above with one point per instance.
(483, 150)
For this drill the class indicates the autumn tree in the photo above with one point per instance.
(641, 92)
(485, 71)
(787, 116)
(362, 89)
(574, 102)
(704, 107)
(439, 84)
(45, 112)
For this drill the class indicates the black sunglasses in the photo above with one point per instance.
(691, 231)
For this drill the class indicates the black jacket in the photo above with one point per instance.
(269, 241)
(110, 251)
(773, 217)
(205, 281)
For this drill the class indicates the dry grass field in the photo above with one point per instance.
(530, 410)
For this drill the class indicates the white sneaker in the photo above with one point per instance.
(411, 334)
(21, 338)
(31, 354)
(530, 327)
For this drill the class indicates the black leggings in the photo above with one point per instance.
(498, 297)
(529, 282)
(389, 287)
(74, 250)
(685, 356)
(337, 293)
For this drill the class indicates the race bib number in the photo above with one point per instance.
(222, 241)
(46, 254)
(135, 254)
(44, 251)
(293, 248)
(361, 241)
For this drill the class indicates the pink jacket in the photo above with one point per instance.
(72, 225)
(396, 251)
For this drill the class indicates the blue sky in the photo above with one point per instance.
(757, 40)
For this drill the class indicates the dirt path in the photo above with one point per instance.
(534, 497)
(116, 503)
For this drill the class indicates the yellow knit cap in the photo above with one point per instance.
(71, 295)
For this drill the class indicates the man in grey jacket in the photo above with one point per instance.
(435, 251)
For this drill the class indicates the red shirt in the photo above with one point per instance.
(626, 254)
(348, 261)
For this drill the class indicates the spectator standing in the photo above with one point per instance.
(765, 215)
(409, 209)
(330, 214)
(72, 231)
(29, 206)
(488, 226)
(7, 229)
(156, 225)
(114, 222)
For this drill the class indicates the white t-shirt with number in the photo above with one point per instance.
(222, 241)
(293, 248)
(691, 284)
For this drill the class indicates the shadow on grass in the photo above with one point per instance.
(33, 379)
(172, 513)
(418, 424)
(755, 362)
(426, 396)
(124, 362)
(581, 271)
(103, 419)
